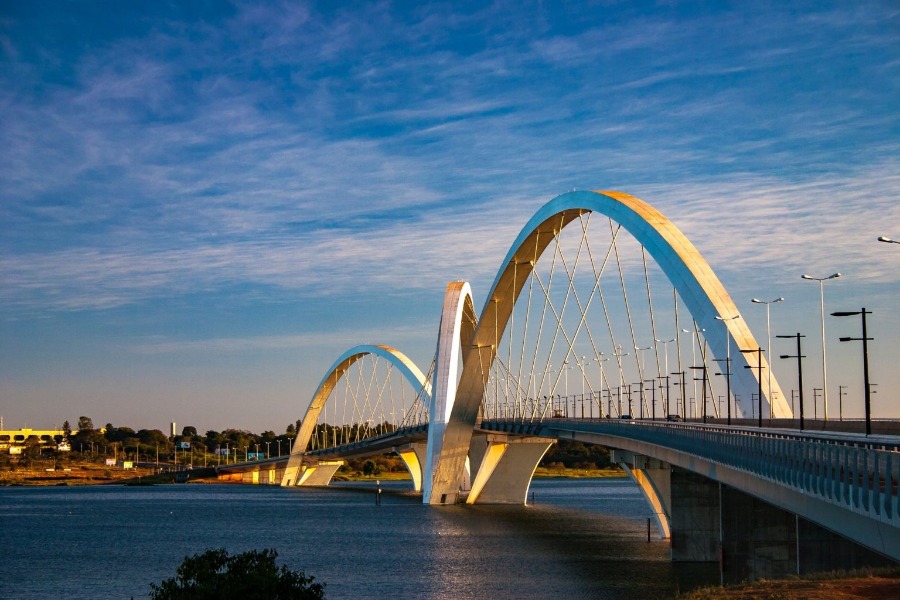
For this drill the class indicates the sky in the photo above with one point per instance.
(203, 204)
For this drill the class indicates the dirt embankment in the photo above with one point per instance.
(80, 474)
(877, 586)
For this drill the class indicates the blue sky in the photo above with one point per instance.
(203, 204)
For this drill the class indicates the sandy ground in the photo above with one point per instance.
(799, 589)
(70, 475)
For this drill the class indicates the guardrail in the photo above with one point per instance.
(860, 473)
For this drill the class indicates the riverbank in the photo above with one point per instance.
(866, 584)
(94, 474)
(72, 474)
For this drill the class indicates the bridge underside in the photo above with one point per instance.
(688, 491)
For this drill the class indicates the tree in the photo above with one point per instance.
(249, 575)
(85, 423)
(67, 430)
(189, 431)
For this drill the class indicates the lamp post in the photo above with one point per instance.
(841, 394)
(822, 281)
(727, 362)
(799, 356)
(888, 240)
(600, 362)
(641, 365)
(652, 383)
(769, 343)
(683, 399)
(816, 402)
(619, 354)
(865, 340)
(668, 408)
(693, 350)
(703, 379)
(759, 367)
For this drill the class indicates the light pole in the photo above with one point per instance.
(841, 394)
(600, 362)
(682, 375)
(888, 240)
(769, 343)
(694, 350)
(822, 281)
(759, 368)
(665, 344)
(799, 356)
(816, 402)
(652, 383)
(865, 340)
(641, 366)
(703, 379)
(727, 362)
(619, 354)
(668, 408)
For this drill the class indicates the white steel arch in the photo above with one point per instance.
(700, 290)
(407, 368)
(457, 328)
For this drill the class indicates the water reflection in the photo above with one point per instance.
(583, 539)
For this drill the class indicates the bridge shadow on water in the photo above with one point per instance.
(548, 550)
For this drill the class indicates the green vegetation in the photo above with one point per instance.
(251, 575)
(152, 447)
(569, 454)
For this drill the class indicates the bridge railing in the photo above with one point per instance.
(859, 473)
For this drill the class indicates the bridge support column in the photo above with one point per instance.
(653, 477)
(413, 456)
(695, 517)
(293, 471)
(505, 467)
(319, 474)
(761, 541)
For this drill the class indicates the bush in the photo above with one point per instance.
(250, 575)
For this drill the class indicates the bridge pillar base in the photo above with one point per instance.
(506, 466)
(319, 474)
(695, 517)
(654, 479)
(761, 541)
(413, 456)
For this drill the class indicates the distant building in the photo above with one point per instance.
(13, 440)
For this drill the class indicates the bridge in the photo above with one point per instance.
(575, 296)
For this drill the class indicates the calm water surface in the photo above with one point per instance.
(581, 539)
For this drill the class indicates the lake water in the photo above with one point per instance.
(581, 539)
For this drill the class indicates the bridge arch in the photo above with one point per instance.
(700, 290)
(398, 359)
(457, 328)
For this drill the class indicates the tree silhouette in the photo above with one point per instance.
(249, 575)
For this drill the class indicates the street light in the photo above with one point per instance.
(769, 343)
(641, 366)
(682, 375)
(665, 344)
(799, 356)
(693, 349)
(703, 379)
(759, 367)
(727, 362)
(822, 281)
(865, 340)
(881, 238)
